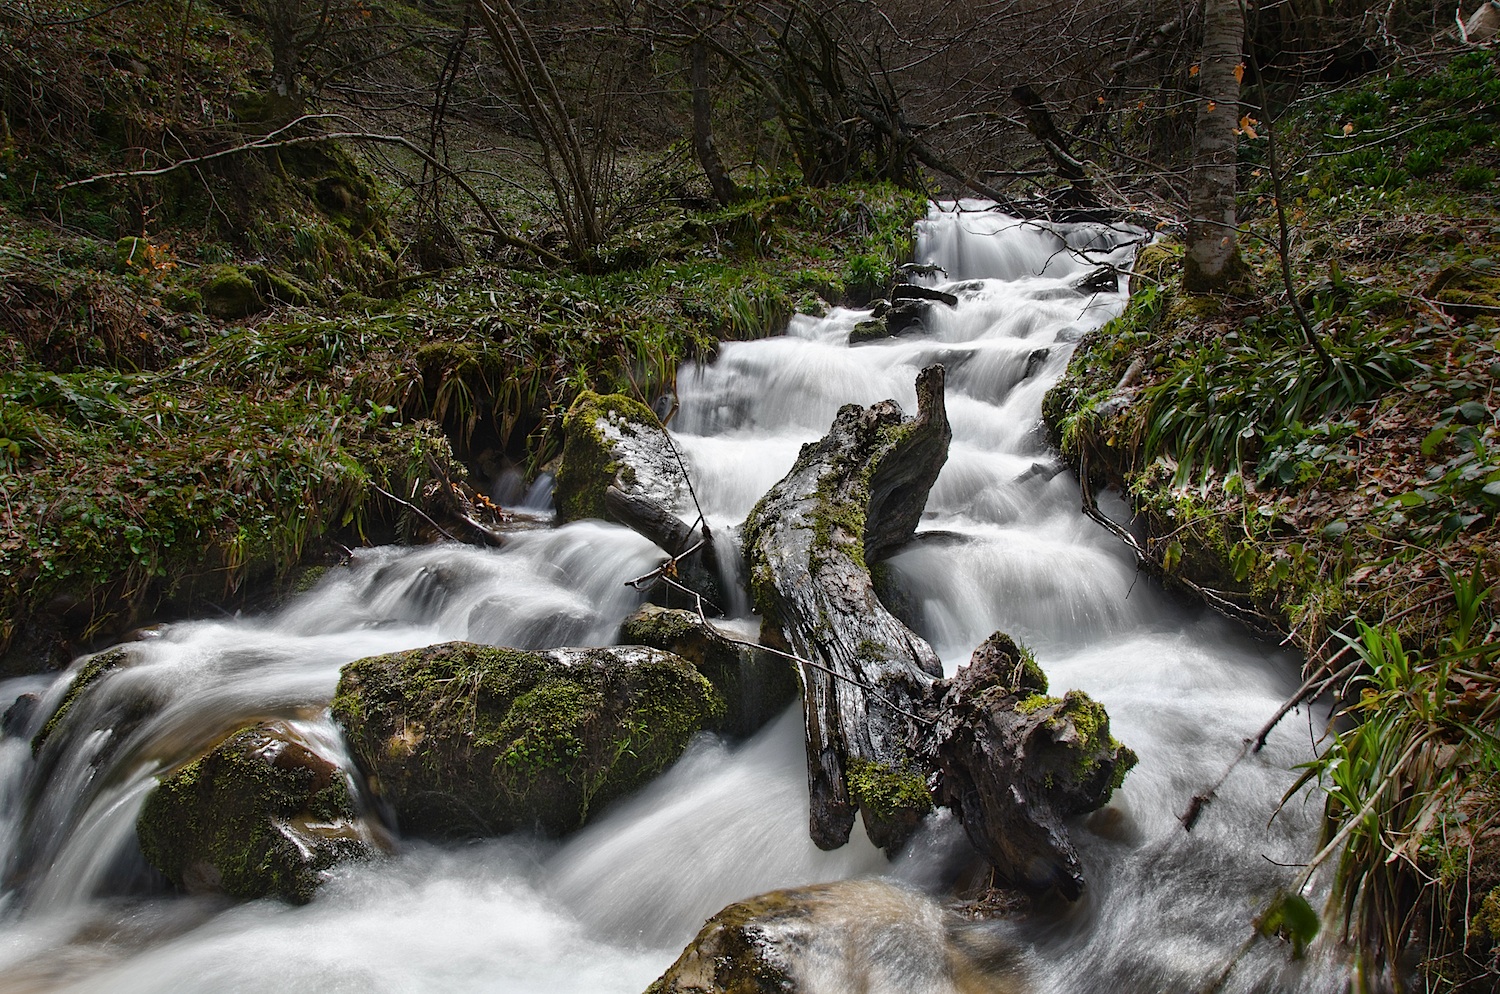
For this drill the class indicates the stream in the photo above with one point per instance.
(1002, 545)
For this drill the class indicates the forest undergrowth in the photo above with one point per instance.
(1346, 506)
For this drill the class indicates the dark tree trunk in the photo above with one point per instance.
(724, 188)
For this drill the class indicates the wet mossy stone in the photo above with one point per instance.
(229, 294)
(261, 815)
(95, 668)
(466, 740)
(614, 440)
(755, 685)
(871, 330)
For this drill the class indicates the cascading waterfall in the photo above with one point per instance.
(1002, 546)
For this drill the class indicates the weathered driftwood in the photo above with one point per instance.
(1015, 763)
(886, 736)
(851, 497)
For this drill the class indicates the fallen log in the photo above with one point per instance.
(886, 736)
(852, 497)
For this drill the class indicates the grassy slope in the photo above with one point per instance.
(1317, 501)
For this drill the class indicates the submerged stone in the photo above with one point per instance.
(471, 740)
(261, 815)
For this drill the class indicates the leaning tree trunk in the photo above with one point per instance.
(853, 496)
(1213, 259)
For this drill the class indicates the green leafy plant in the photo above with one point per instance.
(1420, 731)
(1218, 406)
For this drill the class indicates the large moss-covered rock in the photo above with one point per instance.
(756, 685)
(855, 935)
(469, 740)
(260, 815)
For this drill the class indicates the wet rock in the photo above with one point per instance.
(18, 716)
(906, 316)
(619, 465)
(471, 740)
(1015, 763)
(93, 670)
(911, 291)
(756, 686)
(1034, 362)
(872, 330)
(855, 935)
(261, 815)
(852, 497)
(1105, 279)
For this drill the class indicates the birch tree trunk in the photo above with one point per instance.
(1213, 259)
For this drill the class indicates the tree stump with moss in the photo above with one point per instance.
(1014, 763)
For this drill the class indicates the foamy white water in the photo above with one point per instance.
(1002, 546)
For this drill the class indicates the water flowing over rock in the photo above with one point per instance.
(261, 815)
(462, 739)
(853, 496)
(618, 464)
(756, 686)
(860, 935)
(1016, 762)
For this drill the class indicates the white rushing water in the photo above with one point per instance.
(1002, 546)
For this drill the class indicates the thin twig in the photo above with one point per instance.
(410, 506)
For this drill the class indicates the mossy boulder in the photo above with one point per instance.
(614, 440)
(471, 740)
(229, 294)
(755, 685)
(872, 330)
(260, 815)
(618, 464)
